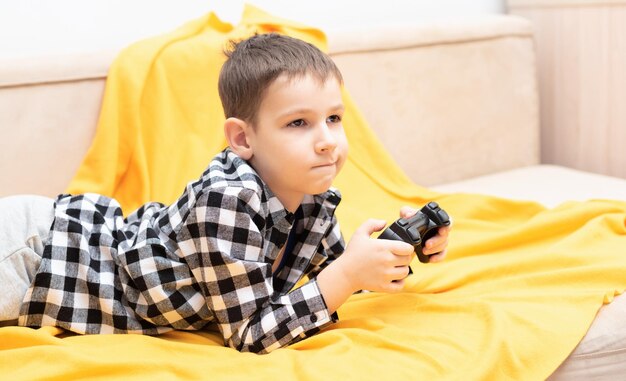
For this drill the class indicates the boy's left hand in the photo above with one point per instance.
(435, 247)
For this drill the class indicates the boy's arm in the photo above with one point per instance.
(229, 266)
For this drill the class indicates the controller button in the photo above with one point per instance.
(433, 205)
(402, 222)
(414, 235)
(443, 216)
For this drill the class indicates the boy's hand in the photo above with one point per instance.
(375, 264)
(435, 247)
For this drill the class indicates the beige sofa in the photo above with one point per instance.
(455, 103)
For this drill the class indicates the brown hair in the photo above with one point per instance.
(253, 64)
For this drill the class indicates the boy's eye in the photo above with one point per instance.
(334, 119)
(297, 123)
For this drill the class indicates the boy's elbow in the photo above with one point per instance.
(260, 344)
(255, 347)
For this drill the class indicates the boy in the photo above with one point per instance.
(231, 249)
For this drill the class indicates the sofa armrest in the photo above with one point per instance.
(49, 108)
(450, 101)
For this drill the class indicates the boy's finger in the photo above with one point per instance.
(407, 211)
(438, 257)
(370, 226)
(435, 245)
(400, 248)
(395, 286)
(400, 272)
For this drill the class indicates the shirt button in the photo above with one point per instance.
(313, 318)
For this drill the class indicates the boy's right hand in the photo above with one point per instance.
(375, 264)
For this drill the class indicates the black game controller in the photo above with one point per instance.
(417, 229)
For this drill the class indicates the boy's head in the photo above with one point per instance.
(255, 63)
(284, 109)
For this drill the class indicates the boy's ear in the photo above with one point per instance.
(236, 132)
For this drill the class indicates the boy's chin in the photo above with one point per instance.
(322, 188)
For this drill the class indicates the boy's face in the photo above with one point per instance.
(298, 143)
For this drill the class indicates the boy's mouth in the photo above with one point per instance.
(325, 165)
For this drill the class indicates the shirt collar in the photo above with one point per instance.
(278, 215)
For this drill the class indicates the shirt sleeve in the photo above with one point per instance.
(223, 245)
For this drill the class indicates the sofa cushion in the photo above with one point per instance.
(549, 185)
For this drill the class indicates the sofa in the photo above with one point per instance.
(484, 139)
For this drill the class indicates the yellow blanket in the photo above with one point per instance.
(518, 291)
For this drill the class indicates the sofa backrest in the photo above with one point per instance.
(449, 101)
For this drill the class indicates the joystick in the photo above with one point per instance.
(418, 228)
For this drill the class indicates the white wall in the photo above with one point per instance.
(41, 27)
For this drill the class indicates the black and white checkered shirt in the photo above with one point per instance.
(207, 258)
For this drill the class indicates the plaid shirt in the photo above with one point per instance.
(207, 258)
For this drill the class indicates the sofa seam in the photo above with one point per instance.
(598, 354)
(429, 44)
(11, 85)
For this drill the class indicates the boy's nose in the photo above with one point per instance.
(326, 141)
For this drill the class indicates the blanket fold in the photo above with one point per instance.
(518, 291)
